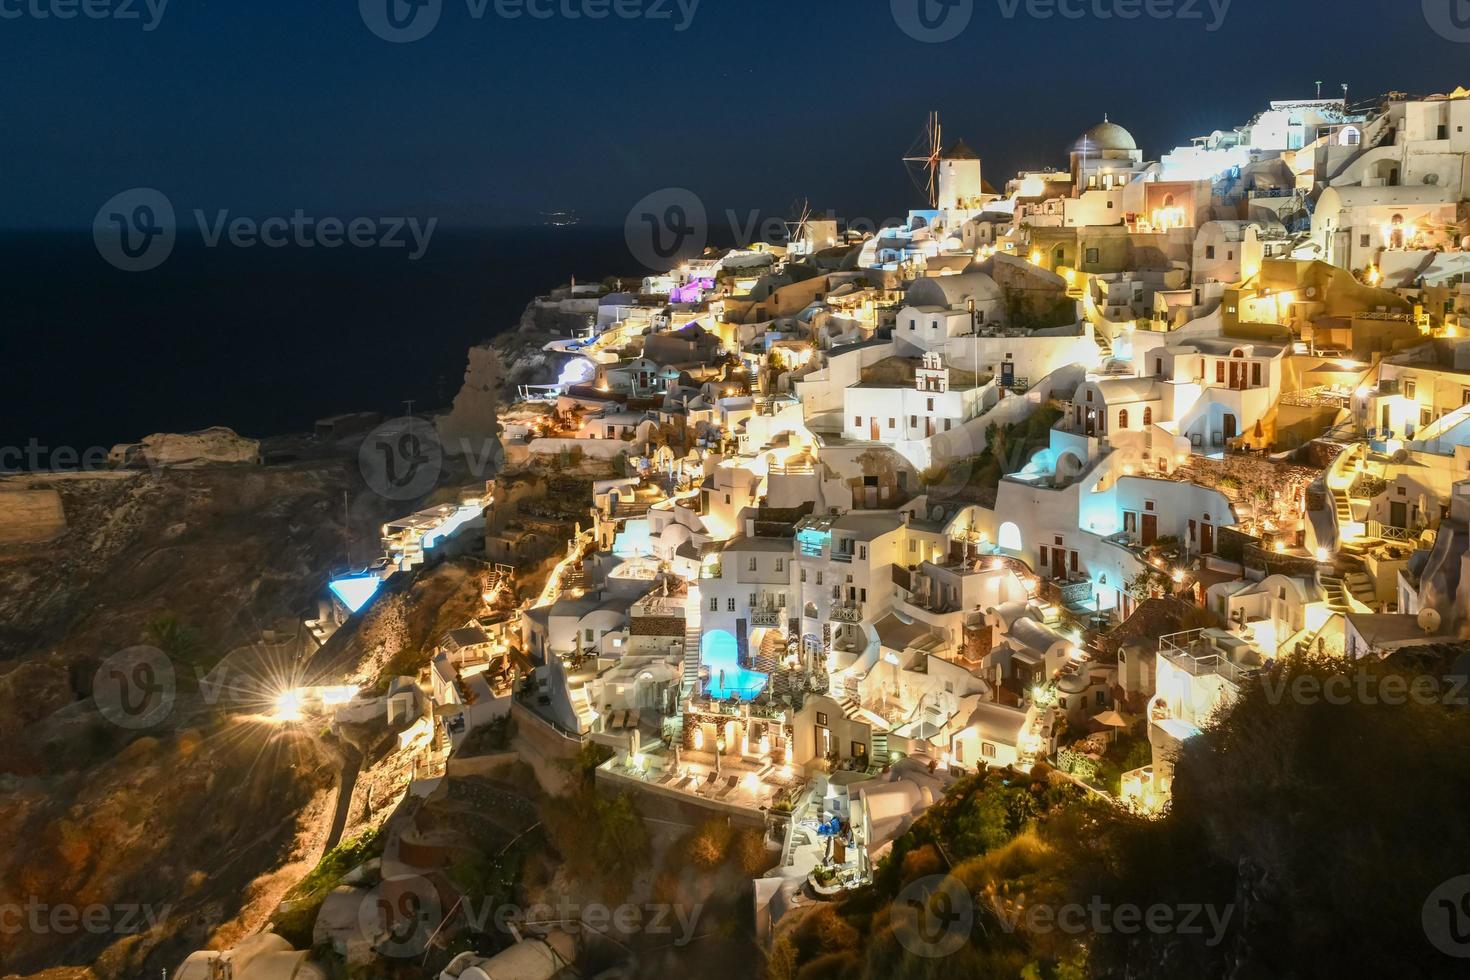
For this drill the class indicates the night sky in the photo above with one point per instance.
(270, 105)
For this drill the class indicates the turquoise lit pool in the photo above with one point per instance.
(635, 540)
(727, 679)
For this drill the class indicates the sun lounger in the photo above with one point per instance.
(667, 777)
(632, 720)
(708, 784)
(683, 783)
(730, 785)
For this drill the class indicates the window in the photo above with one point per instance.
(730, 604)
(1089, 394)
(1092, 256)
(754, 600)
(891, 424)
(752, 564)
(1409, 388)
(714, 605)
(1209, 251)
(913, 323)
(863, 552)
(589, 636)
(859, 750)
(1102, 697)
(1256, 375)
(987, 749)
(803, 574)
(913, 421)
(1425, 416)
(1364, 241)
(1123, 419)
(1148, 416)
(819, 578)
(1110, 205)
(822, 718)
(1219, 372)
(931, 404)
(946, 425)
(780, 564)
(913, 546)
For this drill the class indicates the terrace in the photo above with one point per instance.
(1200, 653)
(710, 781)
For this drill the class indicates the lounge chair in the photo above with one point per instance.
(667, 777)
(707, 785)
(632, 720)
(681, 784)
(730, 785)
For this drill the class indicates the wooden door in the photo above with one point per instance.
(876, 430)
(1150, 529)
(1398, 512)
(1231, 428)
(1207, 539)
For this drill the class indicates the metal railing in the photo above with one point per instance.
(1377, 529)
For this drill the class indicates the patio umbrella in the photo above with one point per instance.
(1111, 719)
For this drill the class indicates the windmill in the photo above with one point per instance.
(796, 229)
(924, 170)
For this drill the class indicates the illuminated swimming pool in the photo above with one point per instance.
(727, 679)
(634, 540)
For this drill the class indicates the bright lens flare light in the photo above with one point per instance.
(288, 706)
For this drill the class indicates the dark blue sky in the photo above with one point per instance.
(262, 106)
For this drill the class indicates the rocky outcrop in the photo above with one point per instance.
(202, 448)
(30, 515)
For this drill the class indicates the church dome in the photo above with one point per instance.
(1103, 137)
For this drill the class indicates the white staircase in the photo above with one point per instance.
(692, 634)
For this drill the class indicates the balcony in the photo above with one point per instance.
(767, 617)
(1195, 653)
(847, 612)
